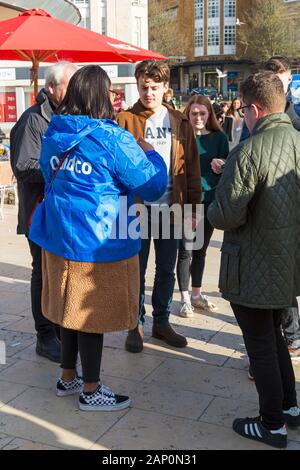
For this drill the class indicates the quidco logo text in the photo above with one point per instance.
(72, 164)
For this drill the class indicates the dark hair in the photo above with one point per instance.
(231, 109)
(266, 89)
(278, 64)
(223, 104)
(88, 94)
(154, 69)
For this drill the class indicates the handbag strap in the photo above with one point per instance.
(61, 161)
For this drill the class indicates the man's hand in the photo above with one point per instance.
(144, 145)
(216, 165)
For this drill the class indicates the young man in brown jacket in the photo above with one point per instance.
(171, 134)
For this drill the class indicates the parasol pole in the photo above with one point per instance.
(35, 73)
(35, 60)
(35, 76)
(34, 69)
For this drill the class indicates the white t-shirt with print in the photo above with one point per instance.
(158, 133)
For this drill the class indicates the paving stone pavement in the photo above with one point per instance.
(181, 399)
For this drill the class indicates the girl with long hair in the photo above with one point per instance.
(233, 123)
(213, 149)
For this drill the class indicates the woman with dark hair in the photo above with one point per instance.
(233, 123)
(213, 149)
(90, 261)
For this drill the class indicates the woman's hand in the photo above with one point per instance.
(216, 165)
(144, 145)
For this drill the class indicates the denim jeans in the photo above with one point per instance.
(270, 362)
(164, 280)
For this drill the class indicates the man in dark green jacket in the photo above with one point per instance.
(257, 205)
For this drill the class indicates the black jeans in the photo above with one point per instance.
(44, 328)
(164, 281)
(270, 362)
(191, 263)
(90, 346)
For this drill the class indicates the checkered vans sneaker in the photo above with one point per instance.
(292, 417)
(64, 389)
(103, 399)
(186, 310)
(252, 428)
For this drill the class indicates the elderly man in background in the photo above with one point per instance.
(25, 145)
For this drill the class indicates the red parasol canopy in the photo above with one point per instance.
(36, 36)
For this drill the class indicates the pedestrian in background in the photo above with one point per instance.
(233, 123)
(25, 147)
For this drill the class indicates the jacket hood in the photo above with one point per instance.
(43, 101)
(66, 131)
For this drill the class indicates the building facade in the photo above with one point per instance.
(126, 20)
(214, 27)
(16, 93)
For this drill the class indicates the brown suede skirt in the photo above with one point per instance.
(91, 297)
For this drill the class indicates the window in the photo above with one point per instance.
(230, 6)
(213, 8)
(198, 37)
(103, 25)
(84, 8)
(137, 31)
(213, 36)
(229, 36)
(103, 15)
(198, 9)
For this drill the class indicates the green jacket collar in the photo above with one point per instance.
(271, 120)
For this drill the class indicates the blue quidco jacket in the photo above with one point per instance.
(83, 216)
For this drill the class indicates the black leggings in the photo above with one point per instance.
(195, 268)
(90, 346)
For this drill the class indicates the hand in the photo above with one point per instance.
(144, 145)
(216, 165)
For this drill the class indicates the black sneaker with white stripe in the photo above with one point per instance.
(103, 399)
(252, 428)
(292, 417)
(64, 388)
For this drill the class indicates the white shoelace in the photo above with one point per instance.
(107, 391)
(187, 304)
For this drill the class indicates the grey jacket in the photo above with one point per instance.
(257, 204)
